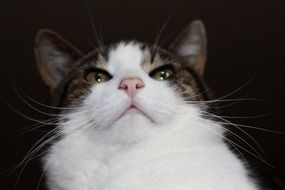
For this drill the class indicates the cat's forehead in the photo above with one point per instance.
(129, 55)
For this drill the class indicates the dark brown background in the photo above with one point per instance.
(246, 45)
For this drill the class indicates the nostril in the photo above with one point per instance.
(131, 85)
(123, 86)
(139, 84)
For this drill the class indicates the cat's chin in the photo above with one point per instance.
(132, 126)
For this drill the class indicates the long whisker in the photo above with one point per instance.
(227, 139)
(31, 106)
(91, 19)
(30, 155)
(238, 89)
(245, 126)
(26, 158)
(223, 100)
(162, 29)
(49, 106)
(36, 144)
(45, 167)
(257, 128)
(101, 34)
(36, 126)
(229, 105)
(240, 153)
(246, 117)
(28, 117)
(41, 178)
(240, 138)
(232, 124)
(63, 116)
(61, 108)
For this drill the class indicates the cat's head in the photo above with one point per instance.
(127, 87)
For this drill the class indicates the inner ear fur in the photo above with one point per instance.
(191, 45)
(54, 56)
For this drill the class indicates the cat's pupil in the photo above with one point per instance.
(164, 75)
(98, 77)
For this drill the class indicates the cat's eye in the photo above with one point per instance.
(162, 73)
(97, 76)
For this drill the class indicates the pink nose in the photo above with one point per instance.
(131, 85)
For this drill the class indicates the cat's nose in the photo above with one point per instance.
(131, 85)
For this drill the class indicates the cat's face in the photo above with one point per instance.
(126, 89)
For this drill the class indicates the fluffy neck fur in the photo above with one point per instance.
(187, 153)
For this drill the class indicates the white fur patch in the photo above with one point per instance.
(169, 147)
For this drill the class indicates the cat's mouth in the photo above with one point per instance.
(133, 109)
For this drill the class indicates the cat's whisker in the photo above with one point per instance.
(32, 107)
(109, 106)
(245, 126)
(59, 134)
(30, 157)
(101, 37)
(240, 138)
(239, 88)
(162, 29)
(216, 104)
(221, 100)
(164, 108)
(36, 144)
(235, 125)
(60, 116)
(246, 117)
(51, 122)
(78, 131)
(92, 22)
(37, 126)
(22, 95)
(198, 95)
(44, 152)
(168, 37)
(241, 147)
(49, 106)
(41, 177)
(219, 106)
(257, 128)
(28, 117)
(240, 153)
(31, 153)
(86, 128)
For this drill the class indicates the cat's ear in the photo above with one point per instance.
(191, 45)
(54, 56)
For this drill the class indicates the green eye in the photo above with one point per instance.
(97, 77)
(162, 75)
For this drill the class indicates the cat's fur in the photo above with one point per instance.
(170, 144)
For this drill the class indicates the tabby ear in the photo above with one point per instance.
(54, 56)
(191, 45)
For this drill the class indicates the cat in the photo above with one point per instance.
(135, 116)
